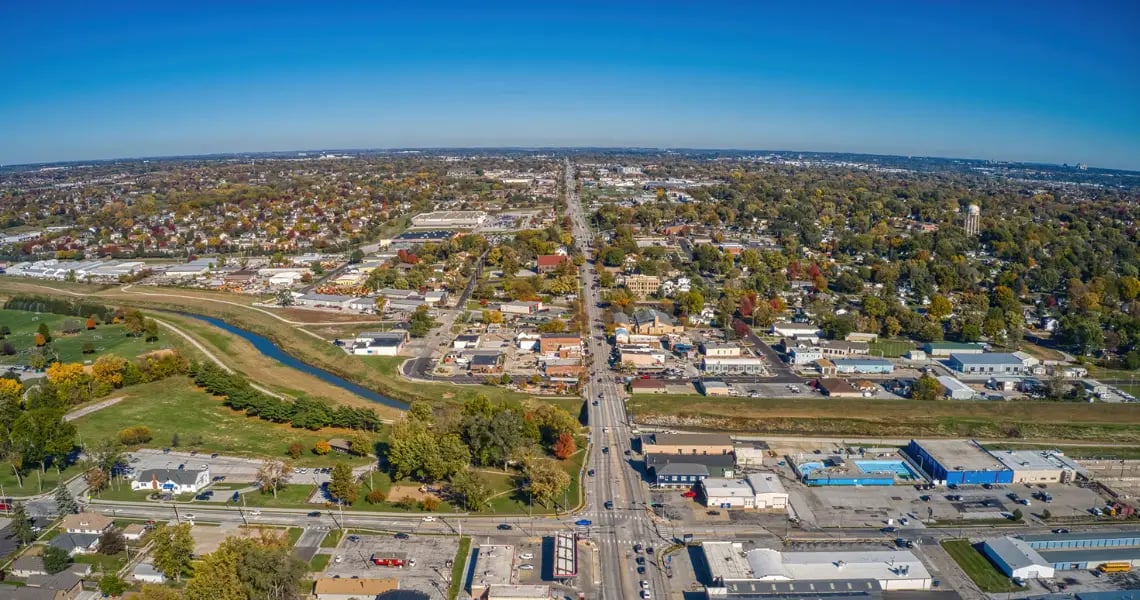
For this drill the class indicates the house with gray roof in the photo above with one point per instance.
(175, 481)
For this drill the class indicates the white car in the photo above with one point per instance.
(429, 519)
(526, 567)
(526, 556)
(188, 517)
(256, 512)
(644, 584)
(338, 559)
(645, 594)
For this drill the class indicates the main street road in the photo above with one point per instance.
(616, 480)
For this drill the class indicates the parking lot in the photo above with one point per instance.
(432, 555)
(232, 468)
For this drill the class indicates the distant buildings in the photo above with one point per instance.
(450, 218)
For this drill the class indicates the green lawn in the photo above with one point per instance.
(293, 534)
(107, 339)
(978, 567)
(102, 562)
(890, 348)
(319, 562)
(203, 423)
(457, 568)
(439, 393)
(34, 482)
(332, 539)
(293, 495)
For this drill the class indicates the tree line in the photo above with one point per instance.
(302, 413)
(59, 306)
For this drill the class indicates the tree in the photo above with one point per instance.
(544, 480)
(91, 323)
(1016, 515)
(926, 388)
(112, 585)
(342, 485)
(109, 369)
(150, 329)
(492, 316)
(565, 447)
(361, 444)
(469, 489)
(22, 526)
(43, 332)
(273, 475)
(112, 542)
(152, 591)
(322, 447)
(96, 479)
(55, 559)
(65, 503)
(375, 497)
(940, 307)
(1046, 515)
(132, 436)
(295, 450)
(40, 340)
(216, 576)
(173, 547)
(430, 503)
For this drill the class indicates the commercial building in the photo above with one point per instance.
(518, 307)
(891, 569)
(795, 330)
(383, 343)
(687, 470)
(1015, 558)
(865, 366)
(450, 218)
(761, 491)
(551, 343)
(1038, 466)
(957, 462)
(1040, 555)
(328, 588)
(804, 355)
(686, 443)
(837, 388)
(843, 348)
(732, 366)
(954, 389)
(175, 481)
(945, 349)
(642, 285)
(884, 468)
(714, 387)
(715, 350)
(641, 357)
(991, 363)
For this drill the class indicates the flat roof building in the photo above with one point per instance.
(958, 462)
(990, 363)
(1037, 466)
(686, 443)
(891, 569)
(945, 349)
(879, 366)
(954, 389)
(450, 218)
(1015, 558)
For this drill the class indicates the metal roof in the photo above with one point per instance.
(1015, 553)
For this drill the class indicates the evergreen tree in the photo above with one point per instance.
(65, 503)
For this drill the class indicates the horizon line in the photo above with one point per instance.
(581, 148)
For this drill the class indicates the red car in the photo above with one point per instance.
(689, 494)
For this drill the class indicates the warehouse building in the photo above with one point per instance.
(954, 389)
(1015, 558)
(1086, 550)
(890, 569)
(1038, 466)
(876, 366)
(945, 349)
(957, 462)
(732, 366)
(687, 470)
(761, 491)
(991, 363)
(450, 218)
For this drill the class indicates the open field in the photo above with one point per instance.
(1116, 423)
(1040, 352)
(978, 567)
(290, 336)
(890, 348)
(437, 393)
(203, 423)
(106, 339)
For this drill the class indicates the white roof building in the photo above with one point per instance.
(1015, 558)
(893, 569)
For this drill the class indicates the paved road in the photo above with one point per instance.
(781, 372)
(615, 479)
(422, 366)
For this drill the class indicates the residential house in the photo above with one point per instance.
(134, 532)
(650, 321)
(175, 481)
(87, 522)
(76, 543)
(65, 585)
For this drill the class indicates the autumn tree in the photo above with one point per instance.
(322, 447)
(108, 370)
(273, 475)
(926, 388)
(544, 480)
(940, 307)
(361, 444)
(91, 324)
(342, 486)
(295, 450)
(565, 447)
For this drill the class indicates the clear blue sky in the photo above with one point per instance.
(1035, 81)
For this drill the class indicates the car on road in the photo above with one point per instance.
(188, 516)
(590, 472)
(356, 538)
(641, 570)
(645, 594)
(315, 513)
(644, 584)
(889, 529)
(255, 512)
(526, 556)
(637, 548)
(400, 536)
(605, 449)
(904, 543)
(649, 550)
(1060, 530)
(428, 519)
(526, 567)
(640, 560)
(609, 504)
(505, 527)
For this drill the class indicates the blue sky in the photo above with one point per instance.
(1041, 81)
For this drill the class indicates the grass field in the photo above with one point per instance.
(1027, 420)
(293, 534)
(106, 339)
(457, 568)
(978, 567)
(34, 482)
(319, 562)
(332, 539)
(890, 348)
(388, 366)
(176, 406)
